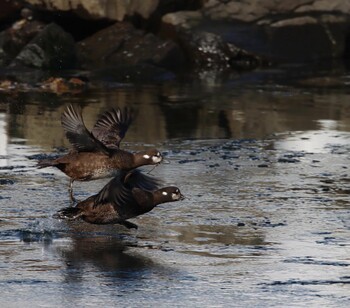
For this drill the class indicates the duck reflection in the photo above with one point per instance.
(106, 258)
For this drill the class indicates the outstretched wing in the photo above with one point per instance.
(115, 191)
(136, 179)
(120, 189)
(76, 132)
(112, 126)
(141, 186)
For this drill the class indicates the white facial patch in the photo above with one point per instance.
(164, 193)
(146, 156)
(156, 159)
(174, 196)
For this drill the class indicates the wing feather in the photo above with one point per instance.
(112, 126)
(77, 133)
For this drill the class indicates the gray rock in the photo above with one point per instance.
(204, 49)
(122, 44)
(279, 30)
(292, 39)
(208, 51)
(52, 48)
(183, 19)
(254, 10)
(12, 40)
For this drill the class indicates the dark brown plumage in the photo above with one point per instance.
(96, 154)
(112, 126)
(127, 195)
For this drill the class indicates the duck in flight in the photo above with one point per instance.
(97, 154)
(127, 195)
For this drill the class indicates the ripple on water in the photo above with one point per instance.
(260, 218)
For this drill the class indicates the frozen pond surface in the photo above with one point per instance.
(266, 221)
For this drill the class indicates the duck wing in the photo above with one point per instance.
(141, 186)
(136, 179)
(115, 191)
(112, 126)
(127, 189)
(77, 133)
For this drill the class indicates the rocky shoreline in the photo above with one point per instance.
(152, 39)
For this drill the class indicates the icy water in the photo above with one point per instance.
(266, 222)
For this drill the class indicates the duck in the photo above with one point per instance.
(127, 195)
(97, 154)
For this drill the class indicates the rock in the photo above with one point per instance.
(297, 21)
(150, 10)
(52, 48)
(207, 50)
(110, 9)
(324, 6)
(278, 30)
(309, 39)
(61, 85)
(15, 38)
(122, 44)
(252, 10)
(246, 11)
(204, 49)
(183, 19)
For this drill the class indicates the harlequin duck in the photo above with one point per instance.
(96, 154)
(129, 194)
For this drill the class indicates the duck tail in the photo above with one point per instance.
(70, 213)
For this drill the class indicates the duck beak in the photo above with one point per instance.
(182, 197)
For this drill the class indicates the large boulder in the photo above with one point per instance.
(208, 51)
(258, 10)
(51, 48)
(122, 44)
(115, 10)
(280, 30)
(13, 39)
(307, 38)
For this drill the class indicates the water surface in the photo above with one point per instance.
(263, 164)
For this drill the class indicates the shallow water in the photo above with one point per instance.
(266, 221)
